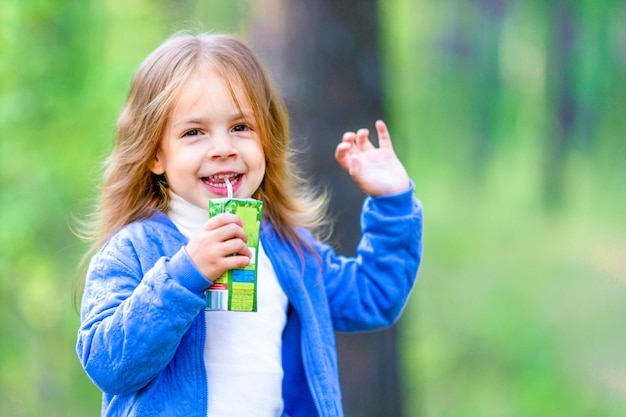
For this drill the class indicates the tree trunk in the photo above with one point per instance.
(562, 93)
(324, 55)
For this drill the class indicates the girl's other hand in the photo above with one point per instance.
(220, 245)
(377, 171)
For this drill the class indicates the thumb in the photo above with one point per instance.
(355, 165)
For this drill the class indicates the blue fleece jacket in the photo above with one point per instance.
(142, 332)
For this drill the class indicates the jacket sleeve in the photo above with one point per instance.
(132, 322)
(369, 291)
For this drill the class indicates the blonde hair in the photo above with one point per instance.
(132, 192)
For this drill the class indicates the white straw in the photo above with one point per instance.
(229, 187)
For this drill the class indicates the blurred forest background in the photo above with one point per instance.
(510, 118)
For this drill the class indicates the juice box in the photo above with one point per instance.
(236, 289)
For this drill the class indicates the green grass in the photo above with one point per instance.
(518, 309)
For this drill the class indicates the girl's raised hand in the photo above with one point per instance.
(377, 171)
(219, 245)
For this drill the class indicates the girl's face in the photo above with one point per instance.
(208, 138)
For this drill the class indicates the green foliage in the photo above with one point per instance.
(65, 67)
(518, 307)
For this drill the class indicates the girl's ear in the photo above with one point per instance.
(157, 166)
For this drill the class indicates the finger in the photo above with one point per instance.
(342, 153)
(235, 247)
(384, 140)
(210, 234)
(362, 140)
(230, 232)
(349, 137)
(222, 219)
(235, 261)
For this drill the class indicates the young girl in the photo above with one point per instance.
(201, 113)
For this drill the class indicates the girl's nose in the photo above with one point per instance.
(221, 147)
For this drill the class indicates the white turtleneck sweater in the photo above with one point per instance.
(242, 353)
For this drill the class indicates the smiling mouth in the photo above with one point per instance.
(218, 181)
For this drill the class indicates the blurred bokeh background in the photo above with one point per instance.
(509, 115)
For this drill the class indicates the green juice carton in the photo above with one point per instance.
(236, 289)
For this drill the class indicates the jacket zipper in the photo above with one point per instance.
(303, 345)
(307, 368)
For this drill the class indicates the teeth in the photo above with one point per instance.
(233, 178)
(222, 176)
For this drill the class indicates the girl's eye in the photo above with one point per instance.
(192, 132)
(241, 128)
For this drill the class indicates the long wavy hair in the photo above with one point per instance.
(131, 192)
